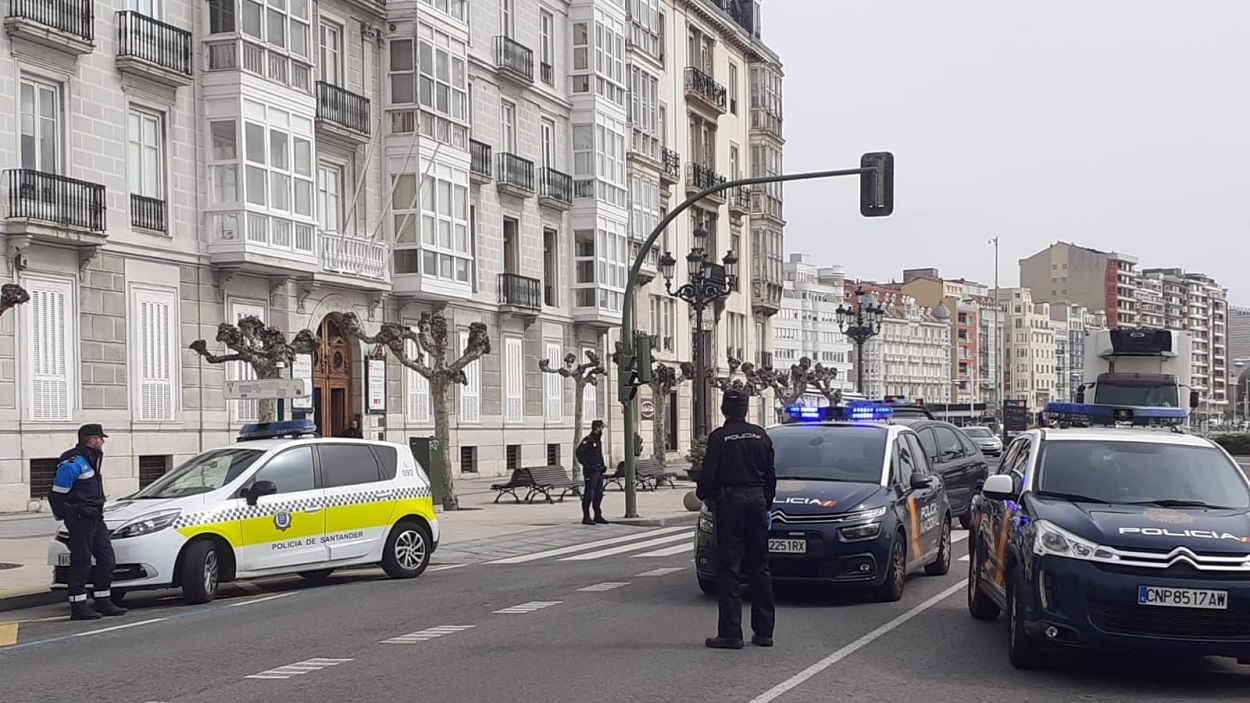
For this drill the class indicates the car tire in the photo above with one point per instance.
(407, 551)
(1023, 651)
(707, 585)
(980, 607)
(965, 520)
(317, 575)
(201, 572)
(942, 565)
(896, 572)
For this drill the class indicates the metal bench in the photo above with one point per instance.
(549, 479)
(649, 473)
(520, 479)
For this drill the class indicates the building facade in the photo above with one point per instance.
(1029, 355)
(1195, 302)
(351, 155)
(1099, 280)
(808, 322)
(1071, 324)
(911, 355)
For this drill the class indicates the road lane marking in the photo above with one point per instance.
(662, 572)
(259, 600)
(427, 634)
(8, 633)
(964, 558)
(848, 650)
(528, 607)
(606, 586)
(444, 567)
(666, 552)
(612, 551)
(298, 668)
(572, 549)
(119, 627)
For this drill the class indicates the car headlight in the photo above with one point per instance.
(147, 524)
(1051, 540)
(863, 515)
(857, 532)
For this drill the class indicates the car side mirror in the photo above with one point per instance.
(920, 481)
(258, 489)
(1080, 395)
(999, 487)
(1193, 399)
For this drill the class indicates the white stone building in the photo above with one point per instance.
(912, 354)
(183, 163)
(808, 322)
(1029, 356)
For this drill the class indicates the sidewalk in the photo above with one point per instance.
(24, 537)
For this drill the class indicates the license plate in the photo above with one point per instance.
(62, 560)
(1182, 598)
(787, 546)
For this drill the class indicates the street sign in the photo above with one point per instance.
(876, 189)
(648, 409)
(267, 389)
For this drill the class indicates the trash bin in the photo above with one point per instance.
(425, 451)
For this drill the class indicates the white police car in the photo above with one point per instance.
(280, 501)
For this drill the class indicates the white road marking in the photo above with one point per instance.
(298, 668)
(572, 549)
(606, 586)
(964, 558)
(662, 572)
(958, 538)
(119, 627)
(444, 567)
(666, 552)
(611, 551)
(528, 607)
(427, 634)
(855, 646)
(259, 600)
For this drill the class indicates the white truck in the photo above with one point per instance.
(1142, 367)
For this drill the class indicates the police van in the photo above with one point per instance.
(857, 504)
(279, 501)
(1116, 531)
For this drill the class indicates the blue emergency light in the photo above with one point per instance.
(274, 430)
(855, 411)
(1088, 414)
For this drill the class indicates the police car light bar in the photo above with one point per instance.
(274, 430)
(1114, 415)
(855, 411)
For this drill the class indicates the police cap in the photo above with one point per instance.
(735, 401)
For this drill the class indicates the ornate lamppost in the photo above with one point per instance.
(709, 282)
(860, 323)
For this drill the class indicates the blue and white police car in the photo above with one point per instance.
(857, 504)
(1116, 531)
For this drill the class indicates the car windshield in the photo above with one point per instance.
(203, 473)
(978, 433)
(1125, 393)
(1148, 473)
(830, 453)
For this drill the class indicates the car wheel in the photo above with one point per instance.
(407, 551)
(965, 520)
(1023, 651)
(896, 572)
(707, 585)
(980, 607)
(318, 575)
(942, 564)
(201, 572)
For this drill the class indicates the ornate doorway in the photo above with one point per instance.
(333, 406)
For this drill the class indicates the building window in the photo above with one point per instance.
(644, 112)
(435, 78)
(553, 384)
(41, 125)
(600, 261)
(418, 390)
(507, 126)
(644, 206)
(145, 134)
(330, 197)
(662, 320)
(221, 19)
(514, 379)
(223, 168)
(610, 58)
(279, 169)
(506, 18)
(443, 223)
(599, 161)
(454, 8)
(52, 354)
(546, 54)
(471, 393)
(331, 64)
(279, 23)
(155, 346)
(551, 266)
(733, 88)
(644, 19)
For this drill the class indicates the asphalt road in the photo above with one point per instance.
(531, 631)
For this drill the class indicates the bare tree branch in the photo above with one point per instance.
(12, 295)
(584, 374)
(262, 347)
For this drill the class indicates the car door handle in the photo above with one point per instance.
(313, 510)
(384, 494)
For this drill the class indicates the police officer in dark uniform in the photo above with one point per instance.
(739, 482)
(590, 456)
(77, 497)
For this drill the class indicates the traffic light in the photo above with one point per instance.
(876, 187)
(643, 367)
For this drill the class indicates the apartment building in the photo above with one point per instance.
(1195, 302)
(808, 322)
(910, 356)
(1029, 353)
(1071, 324)
(954, 299)
(1099, 280)
(991, 320)
(182, 164)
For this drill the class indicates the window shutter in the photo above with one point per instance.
(243, 410)
(553, 384)
(52, 359)
(471, 394)
(155, 322)
(514, 356)
(419, 408)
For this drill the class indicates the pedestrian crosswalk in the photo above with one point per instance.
(661, 542)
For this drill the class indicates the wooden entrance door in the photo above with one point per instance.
(332, 379)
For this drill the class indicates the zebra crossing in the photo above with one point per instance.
(652, 543)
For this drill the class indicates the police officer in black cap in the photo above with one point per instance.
(77, 497)
(590, 456)
(739, 482)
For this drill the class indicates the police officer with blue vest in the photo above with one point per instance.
(77, 498)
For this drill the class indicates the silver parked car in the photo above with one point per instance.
(986, 441)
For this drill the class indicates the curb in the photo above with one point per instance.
(689, 519)
(21, 598)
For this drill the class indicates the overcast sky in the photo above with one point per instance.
(1120, 125)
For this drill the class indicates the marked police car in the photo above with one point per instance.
(857, 504)
(278, 502)
(1117, 539)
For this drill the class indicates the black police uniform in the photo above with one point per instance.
(77, 498)
(590, 456)
(739, 480)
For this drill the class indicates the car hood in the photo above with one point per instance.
(989, 441)
(825, 498)
(120, 512)
(1151, 528)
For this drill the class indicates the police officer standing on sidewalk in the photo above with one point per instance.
(590, 456)
(739, 482)
(77, 497)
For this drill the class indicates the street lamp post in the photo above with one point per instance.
(861, 323)
(709, 282)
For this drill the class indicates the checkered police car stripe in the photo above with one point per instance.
(293, 505)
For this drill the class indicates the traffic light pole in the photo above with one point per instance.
(872, 188)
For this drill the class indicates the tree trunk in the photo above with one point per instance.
(442, 434)
(579, 402)
(657, 423)
(267, 408)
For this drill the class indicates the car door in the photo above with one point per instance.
(284, 530)
(978, 465)
(905, 463)
(359, 501)
(1001, 514)
(929, 500)
(955, 466)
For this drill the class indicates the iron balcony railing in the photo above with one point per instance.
(514, 56)
(547, 73)
(672, 162)
(160, 44)
(147, 213)
(515, 171)
(702, 177)
(48, 197)
(555, 185)
(706, 86)
(479, 158)
(520, 291)
(73, 17)
(342, 107)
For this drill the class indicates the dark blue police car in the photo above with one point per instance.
(857, 504)
(1109, 538)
